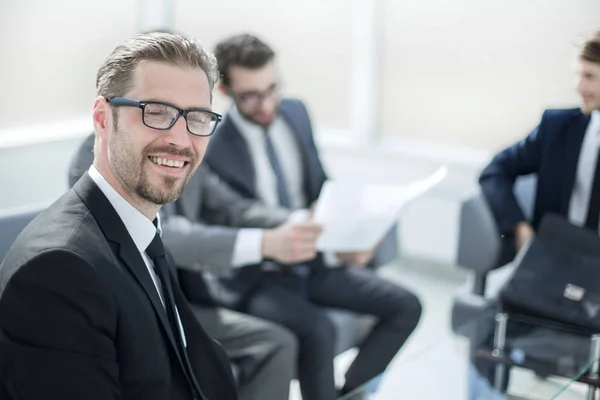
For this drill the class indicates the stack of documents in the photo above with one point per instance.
(357, 217)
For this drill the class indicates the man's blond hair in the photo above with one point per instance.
(115, 76)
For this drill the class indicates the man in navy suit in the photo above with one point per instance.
(266, 151)
(563, 152)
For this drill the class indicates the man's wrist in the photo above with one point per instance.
(266, 240)
(247, 249)
(523, 227)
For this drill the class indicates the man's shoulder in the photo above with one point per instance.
(296, 112)
(561, 114)
(66, 227)
(557, 124)
(293, 104)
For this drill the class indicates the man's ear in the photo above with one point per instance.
(101, 116)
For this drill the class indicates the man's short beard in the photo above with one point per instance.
(251, 119)
(145, 191)
(133, 176)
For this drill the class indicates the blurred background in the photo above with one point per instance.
(395, 88)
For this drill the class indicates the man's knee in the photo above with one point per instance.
(276, 338)
(320, 331)
(284, 340)
(414, 307)
(408, 311)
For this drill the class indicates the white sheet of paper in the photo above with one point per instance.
(357, 217)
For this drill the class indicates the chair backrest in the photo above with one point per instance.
(479, 242)
(12, 222)
(524, 190)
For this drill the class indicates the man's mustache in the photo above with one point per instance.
(171, 151)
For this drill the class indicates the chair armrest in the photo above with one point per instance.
(467, 309)
(479, 243)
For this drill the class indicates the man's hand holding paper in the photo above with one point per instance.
(292, 242)
(347, 223)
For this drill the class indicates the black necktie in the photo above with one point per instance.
(282, 191)
(593, 214)
(156, 252)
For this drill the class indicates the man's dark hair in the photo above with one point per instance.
(591, 49)
(242, 50)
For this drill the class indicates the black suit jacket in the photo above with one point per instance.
(551, 152)
(200, 230)
(80, 317)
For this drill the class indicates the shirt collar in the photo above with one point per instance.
(595, 121)
(140, 228)
(245, 126)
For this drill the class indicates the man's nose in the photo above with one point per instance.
(178, 134)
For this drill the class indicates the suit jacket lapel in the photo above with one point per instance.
(232, 156)
(113, 228)
(304, 147)
(136, 265)
(201, 348)
(574, 140)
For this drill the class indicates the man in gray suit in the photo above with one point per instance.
(193, 231)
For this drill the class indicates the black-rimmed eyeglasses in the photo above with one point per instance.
(254, 98)
(162, 116)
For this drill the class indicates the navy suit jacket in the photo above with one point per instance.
(552, 152)
(229, 157)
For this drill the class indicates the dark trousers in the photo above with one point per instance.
(295, 302)
(264, 353)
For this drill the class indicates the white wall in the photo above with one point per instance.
(456, 72)
(478, 73)
(35, 173)
(51, 51)
(310, 37)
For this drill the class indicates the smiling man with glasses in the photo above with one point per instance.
(90, 306)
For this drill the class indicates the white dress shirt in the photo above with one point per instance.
(287, 150)
(248, 244)
(586, 167)
(139, 227)
(247, 249)
(290, 156)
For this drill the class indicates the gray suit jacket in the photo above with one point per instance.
(201, 227)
